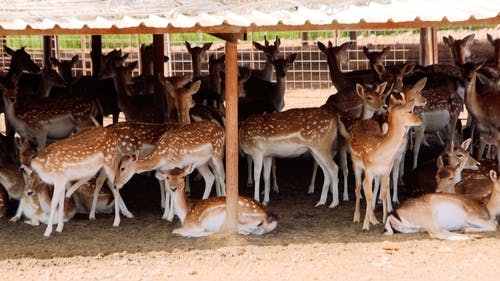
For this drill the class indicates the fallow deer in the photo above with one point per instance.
(202, 218)
(449, 180)
(198, 57)
(494, 67)
(422, 179)
(289, 134)
(48, 118)
(335, 56)
(138, 108)
(11, 178)
(271, 53)
(438, 214)
(374, 151)
(484, 108)
(196, 144)
(77, 158)
(35, 203)
(65, 67)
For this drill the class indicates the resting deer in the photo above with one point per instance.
(35, 203)
(196, 144)
(204, 217)
(438, 214)
(48, 118)
(449, 180)
(289, 134)
(77, 158)
(335, 56)
(374, 151)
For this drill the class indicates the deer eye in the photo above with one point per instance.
(260, 224)
(122, 169)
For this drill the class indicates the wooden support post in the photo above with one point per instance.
(96, 54)
(232, 136)
(428, 46)
(159, 67)
(47, 50)
(305, 38)
(435, 50)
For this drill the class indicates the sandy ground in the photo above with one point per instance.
(309, 243)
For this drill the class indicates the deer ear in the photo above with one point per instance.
(74, 59)
(379, 69)
(189, 169)
(381, 88)
(291, 58)
(188, 46)
(439, 162)
(386, 51)
(360, 90)
(9, 51)
(468, 39)
(483, 79)
(366, 51)
(419, 86)
(54, 61)
(170, 88)
(321, 46)
(195, 87)
(134, 157)
(407, 68)
(207, 46)
(277, 42)
(490, 38)
(493, 175)
(258, 46)
(466, 143)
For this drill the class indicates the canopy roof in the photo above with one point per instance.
(236, 16)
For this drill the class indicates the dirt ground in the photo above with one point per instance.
(309, 243)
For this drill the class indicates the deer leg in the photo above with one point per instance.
(330, 170)
(396, 168)
(345, 170)
(41, 140)
(268, 162)
(98, 186)
(74, 187)
(376, 189)
(384, 191)
(257, 169)
(357, 191)
(447, 235)
(310, 190)
(60, 197)
(275, 181)
(367, 189)
(479, 224)
(168, 212)
(162, 193)
(19, 211)
(209, 178)
(220, 174)
(249, 167)
(419, 137)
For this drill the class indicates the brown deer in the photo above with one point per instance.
(77, 158)
(204, 217)
(438, 214)
(484, 108)
(138, 108)
(65, 67)
(335, 56)
(494, 67)
(271, 53)
(4, 200)
(289, 134)
(195, 143)
(35, 202)
(374, 151)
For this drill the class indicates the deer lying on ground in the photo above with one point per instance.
(449, 180)
(438, 214)
(36, 200)
(204, 217)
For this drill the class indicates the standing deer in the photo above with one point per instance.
(204, 217)
(289, 134)
(196, 144)
(271, 53)
(65, 67)
(77, 158)
(438, 214)
(48, 118)
(373, 151)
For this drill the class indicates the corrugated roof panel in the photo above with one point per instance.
(263, 18)
(127, 21)
(182, 21)
(155, 21)
(205, 19)
(235, 19)
(99, 22)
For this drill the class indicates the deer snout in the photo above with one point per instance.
(12, 99)
(29, 192)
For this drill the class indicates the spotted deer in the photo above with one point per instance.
(289, 134)
(438, 214)
(195, 143)
(204, 217)
(77, 159)
(373, 151)
(373, 101)
(48, 118)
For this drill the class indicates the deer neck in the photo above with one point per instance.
(471, 98)
(44, 88)
(181, 204)
(280, 92)
(267, 71)
(493, 202)
(367, 113)
(196, 68)
(215, 81)
(392, 141)
(338, 78)
(122, 90)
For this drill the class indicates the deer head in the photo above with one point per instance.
(496, 45)
(459, 48)
(271, 51)
(183, 99)
(197, 57)
(21, 61)
(65, 67)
